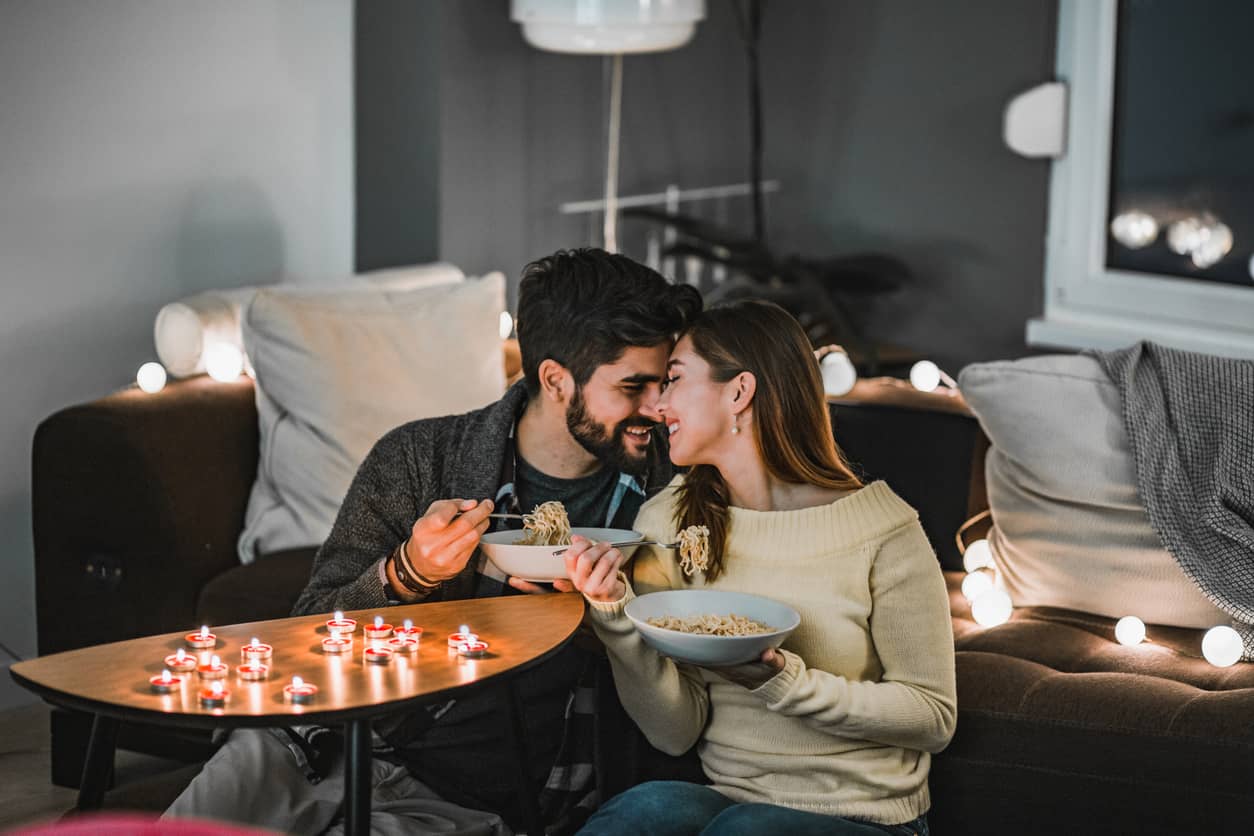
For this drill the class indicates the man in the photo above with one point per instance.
(595, 330)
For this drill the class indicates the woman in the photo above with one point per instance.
(831, 733)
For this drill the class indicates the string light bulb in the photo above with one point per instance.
(224, 362)
(839, 374)
(1130, 630)
(1134, 229)
(507, 325)
(151, 377)
(1222, 646)
(976, 584)
(977, 555)
(992, 608)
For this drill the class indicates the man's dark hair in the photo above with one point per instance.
(584, 308)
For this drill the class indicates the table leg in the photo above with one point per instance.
(517, 735)
(357, 778)
(98, 766)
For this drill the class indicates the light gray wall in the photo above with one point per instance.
(883, 120)
(149, 150)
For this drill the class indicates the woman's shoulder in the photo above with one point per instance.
(659, 509)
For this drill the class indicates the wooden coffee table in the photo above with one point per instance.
(111, 681)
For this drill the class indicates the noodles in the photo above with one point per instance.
(711, 625)
(546, 525)
(694, 549)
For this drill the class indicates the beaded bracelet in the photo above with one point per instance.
(410, 578)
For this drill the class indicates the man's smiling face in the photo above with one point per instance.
(613, 414)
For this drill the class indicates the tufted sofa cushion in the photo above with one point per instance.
(1098, 737)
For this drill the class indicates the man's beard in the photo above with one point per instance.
(609, 448)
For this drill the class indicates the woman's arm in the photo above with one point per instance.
(914, 705)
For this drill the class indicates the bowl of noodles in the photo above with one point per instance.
(710, 627)
(527, 553)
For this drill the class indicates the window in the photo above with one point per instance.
(1151, 221)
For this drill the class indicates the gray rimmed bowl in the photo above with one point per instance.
(711, 651)
(538, 563)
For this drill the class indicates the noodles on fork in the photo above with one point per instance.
(546, 525)
(694, 549)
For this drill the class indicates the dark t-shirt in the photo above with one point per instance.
(461, 753)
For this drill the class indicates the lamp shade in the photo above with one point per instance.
(606, 27)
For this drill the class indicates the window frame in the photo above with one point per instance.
(1087, 304)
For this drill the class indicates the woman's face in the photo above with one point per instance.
(695, 409)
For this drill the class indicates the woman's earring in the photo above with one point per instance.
(735, 427)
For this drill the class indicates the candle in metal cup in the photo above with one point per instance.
(299, 692)
(377, 655)
(409, 631)
(345, 626)
(462, 636)
(181, 661)
(213, 669)
(255, 651)
(215, 696)
(164, 683)
(403, 645)
(201, 640)
(337, 643)
(378, 630)
(253, 671)
(474, 649)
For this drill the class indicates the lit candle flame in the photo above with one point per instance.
(214, 661)
(339, 615)
(297, 682)
(378, 621)
(180, 655)
(409, 624)
(464, 630)
(165, 676)
(335, 634)
(216, 688)
(255, 641)
(204, 631)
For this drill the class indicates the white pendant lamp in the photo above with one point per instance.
(607, 27)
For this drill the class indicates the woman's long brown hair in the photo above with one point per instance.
(791, 421)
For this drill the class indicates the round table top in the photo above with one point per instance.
(113, 679)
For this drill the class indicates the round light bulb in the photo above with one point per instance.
(1215, 244)
(1222, 646)
(151, 377)
(978, 555)
(976, 584)
(1134, 229)
(839, 375)
(1183, 236)
(224, 362)
(992, 608)
(507, 325)
(1130, 630)
(925, 376)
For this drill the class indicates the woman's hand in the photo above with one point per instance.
(593, 569)
(754, 674)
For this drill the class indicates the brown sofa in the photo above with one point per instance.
(138, 500)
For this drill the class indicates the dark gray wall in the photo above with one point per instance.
(149, 151)
(883, 122)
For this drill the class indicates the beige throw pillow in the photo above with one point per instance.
(1069, 527)
(337, 369)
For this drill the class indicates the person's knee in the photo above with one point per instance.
(661, 807)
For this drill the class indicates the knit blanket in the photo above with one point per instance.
(1190, 420)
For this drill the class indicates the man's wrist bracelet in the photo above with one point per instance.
(410, 578)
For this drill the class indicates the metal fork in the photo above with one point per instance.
(619, 545)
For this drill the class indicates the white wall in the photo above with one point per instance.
(148, 150)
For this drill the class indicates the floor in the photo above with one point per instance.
(26, 793)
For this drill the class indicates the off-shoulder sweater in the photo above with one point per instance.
(867, 691)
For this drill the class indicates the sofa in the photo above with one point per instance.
(138, 501)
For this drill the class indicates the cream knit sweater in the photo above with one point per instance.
(868, 689)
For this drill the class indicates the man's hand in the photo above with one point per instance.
(442, 542)
(559, 585)
(756, 673)
(593, 569)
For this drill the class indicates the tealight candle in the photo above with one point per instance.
(255, 651)
(341, 624)
(474, 649)
(403, 645)
(377, 655)
(462, 636)
(165, 683)
(299, 692)
(378, 630)
(409, 631)
(214, 669)
(181, 661)
(204, 640)
(337, 643)
(253, 671)
(214, 696)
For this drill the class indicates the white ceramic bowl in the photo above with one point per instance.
(711, 650)
(537, 563)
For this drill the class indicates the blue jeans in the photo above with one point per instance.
(677, 808)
